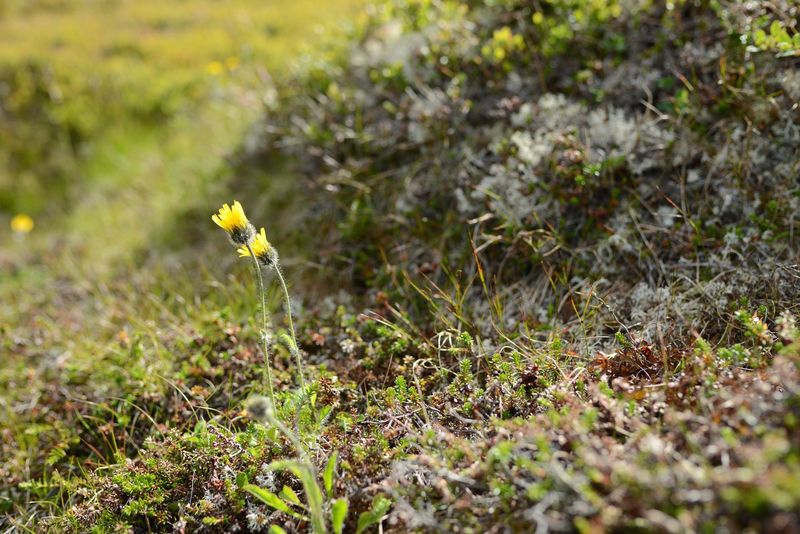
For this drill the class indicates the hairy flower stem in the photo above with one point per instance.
(273, 420)
(295, 349)
(267, 370)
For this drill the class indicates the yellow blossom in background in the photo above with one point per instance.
(215, 68)
(21, 223)
(503, 43)
(232, 63)
(334, 92)
(234, 221)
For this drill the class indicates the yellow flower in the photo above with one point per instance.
(21, 223)
(232, 63)
(215, 68)
(262, 249)
(234, 221)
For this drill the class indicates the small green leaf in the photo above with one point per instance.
(314, 498)
(56, 454)
(327, 475)
(294, 466)
(338, 515)
(270, 499)
(267, 497)
(324, 412)
(275, 529)
(380, 506)
(200, 429)
(288, 494)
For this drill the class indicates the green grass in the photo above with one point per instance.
(70, 79)
(134, 126)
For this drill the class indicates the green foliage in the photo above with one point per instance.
(338, 515)
(502, 45)
(68, 82)
(380, 506)
(313, 494)
(328, 474)
(560, 21)
(270, 499)
(777, 39)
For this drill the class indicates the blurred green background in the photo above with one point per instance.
(115, 112)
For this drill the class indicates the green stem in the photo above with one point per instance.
(295, 348)
(277, 423)
(267, 370)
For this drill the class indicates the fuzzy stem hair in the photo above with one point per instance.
(262, 292)
(294, 348)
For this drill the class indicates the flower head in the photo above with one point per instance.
(21, 223)
(234, 221)
(259, 409)
(215, 68)
(262, 249)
